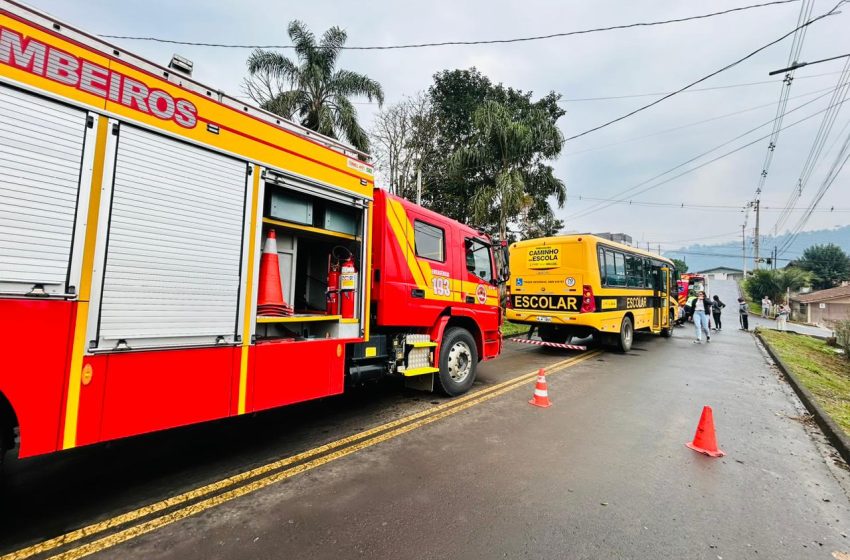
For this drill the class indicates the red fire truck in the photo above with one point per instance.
(135, 201)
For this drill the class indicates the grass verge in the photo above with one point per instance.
(513, 329)
(819, 369)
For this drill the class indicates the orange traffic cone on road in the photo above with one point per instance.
(541, 393)
(705, 440)
(270, 297)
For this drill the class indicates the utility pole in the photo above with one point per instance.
(756, 239)
(744, 248)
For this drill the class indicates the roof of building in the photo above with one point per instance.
(823, 295)
(721, 269)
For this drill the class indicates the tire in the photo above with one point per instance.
(553, 334)
(458, 362)
(668, 332)
(626, 336)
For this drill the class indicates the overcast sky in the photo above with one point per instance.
(614, 63)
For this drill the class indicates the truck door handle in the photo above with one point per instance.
(417, 293)
(470, 299)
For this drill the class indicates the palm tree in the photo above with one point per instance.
(319, 93)
(509, 149)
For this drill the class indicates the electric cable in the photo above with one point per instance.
(454, 43)
(704, 78)
(625, 191)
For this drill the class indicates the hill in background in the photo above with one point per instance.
(702, 257)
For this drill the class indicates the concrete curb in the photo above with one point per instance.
(831, 430)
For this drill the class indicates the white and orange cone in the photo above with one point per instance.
(270, 301)
(541, 392)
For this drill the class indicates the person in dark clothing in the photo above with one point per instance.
(716, 307)
(744, 314)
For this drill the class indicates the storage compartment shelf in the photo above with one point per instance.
(298, 318)
(311, 229)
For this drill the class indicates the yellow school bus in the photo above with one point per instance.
(581, 285)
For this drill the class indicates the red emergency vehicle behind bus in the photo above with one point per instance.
(136, 202)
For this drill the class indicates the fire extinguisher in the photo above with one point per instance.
(348, 287)
(332, 294)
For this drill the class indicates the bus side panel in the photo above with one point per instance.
(287, 372)
(149, 391)
(33, 368)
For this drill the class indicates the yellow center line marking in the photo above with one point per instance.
(415, 420)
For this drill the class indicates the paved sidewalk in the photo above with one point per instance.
(758, 321)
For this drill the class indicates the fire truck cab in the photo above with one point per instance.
(138, 208)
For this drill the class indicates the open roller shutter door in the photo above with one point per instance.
(175, 235)
(41, 150)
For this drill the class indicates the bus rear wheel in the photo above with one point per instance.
(626, 336)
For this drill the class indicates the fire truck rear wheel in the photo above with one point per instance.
(458, 362)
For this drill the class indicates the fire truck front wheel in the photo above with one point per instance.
(458, 362)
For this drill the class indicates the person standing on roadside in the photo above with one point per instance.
(716, 307)
(744, 314)
(765, 306)
(782, 317)
(702, 307)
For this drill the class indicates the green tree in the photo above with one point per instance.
(681, 266)
(318, 93)
(828, 264)
(500, 148)
(454, 98)
(762, 283)
(791, 279)
(776, 284)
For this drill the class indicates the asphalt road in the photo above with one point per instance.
(603, 473)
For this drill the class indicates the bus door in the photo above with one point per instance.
(661, 297)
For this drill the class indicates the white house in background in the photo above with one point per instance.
(823, 306)
(723, 273)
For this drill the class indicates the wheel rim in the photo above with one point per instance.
(627, 333)
(460, 362)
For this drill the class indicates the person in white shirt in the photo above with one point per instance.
(782, 317)
(765, 307)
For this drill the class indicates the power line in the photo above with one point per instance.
(818, 144)
(642, 183)
(451, 43)
(675, 128)
(794, 55)
(657, 93)
(633, 95)
(704, 78)
(688, 206)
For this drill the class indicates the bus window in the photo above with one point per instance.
(610, 269)
(634, 271)
(602, 278)
(620, 262)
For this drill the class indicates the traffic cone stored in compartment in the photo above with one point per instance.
(270, 293)
(705, 440)
(541, 393)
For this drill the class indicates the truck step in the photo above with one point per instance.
(419, 371)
